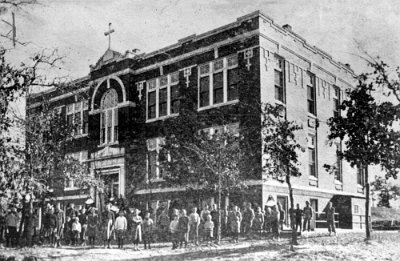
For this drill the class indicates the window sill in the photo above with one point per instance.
(338, 182)
(71, 189)
(80, 136)
(360, 189)
(163, 118)
(108, 144)
(156, 180)
(312, 178)
(278, 102)
(217, 105)
(313, 181)
(312, 115)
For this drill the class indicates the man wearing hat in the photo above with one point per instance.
(107, 223)
(12, 221)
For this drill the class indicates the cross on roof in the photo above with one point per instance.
(108, 33)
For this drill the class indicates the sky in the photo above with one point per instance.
(344, 29)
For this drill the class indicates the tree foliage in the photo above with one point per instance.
(384, 191)
(366, 128)
(280, 157)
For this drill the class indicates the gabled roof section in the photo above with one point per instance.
(108, 57)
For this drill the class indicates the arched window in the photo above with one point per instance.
(109, 117)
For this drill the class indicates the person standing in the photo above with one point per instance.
(330, 218)
(215, 218)
(120, 228)
(76, 231)
(248, 217)
(267, 220)
(174, 229)
(53, 224)
(258, 221)
(83, 220)
(203, 218)
(107, 223)
(12, 222)
(147, 229)
(136, 229)
(92, 226)
(235, 218)
(163, 224)
(183, 225)
(298, 214)
(275, 223)
(60, 227)
(209, 230)
(308, 213)
(194, 222)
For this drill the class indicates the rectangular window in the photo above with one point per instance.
(153, 168)
(218, 83)
(76, 113)
(338, 167)
(360, 175)
(356, 209)
(204, 91)
(312, 170)
(153, 161)
(103, 127)
(174, 99)
(151, 106)
(336, 102)
(279, 80)
(311, 94)
(233, 80)
(115, 112)
(218, 88)
(163, 102)
(163, 96)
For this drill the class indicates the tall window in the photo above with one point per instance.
(154, 171)
(279, 81)
(218, 82)
(77, 116)
(312, 157)
(109, 117)
(360, 175)
(336, 102)
(311, 104)
(69, 182)
(338, 170)
(163, 96)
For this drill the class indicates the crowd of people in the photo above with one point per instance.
(88, 226)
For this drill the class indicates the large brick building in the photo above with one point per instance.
(126, 98)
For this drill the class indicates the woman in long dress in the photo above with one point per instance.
(136, 229)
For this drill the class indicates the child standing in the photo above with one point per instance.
(136, 229)
(92, 226)
(183, 224)
(147, 227)
(120, 228)
(209, 230)
(76, 231)
(258, 221)
(173, 227)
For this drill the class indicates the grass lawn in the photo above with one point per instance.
(348, 245)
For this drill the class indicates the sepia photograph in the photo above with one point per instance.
(199, 130)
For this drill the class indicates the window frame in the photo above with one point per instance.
(172, 81)
(110, 132)
(339, 165)
(71, 111)
(312, 147)
(336, 101)
(280, 69)
(311, 85)
(228, 63)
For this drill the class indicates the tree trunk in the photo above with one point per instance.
(291, 215)
(219, 209)
(367, 223)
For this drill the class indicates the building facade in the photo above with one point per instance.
(125, 100)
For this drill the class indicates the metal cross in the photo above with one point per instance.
(108, 33)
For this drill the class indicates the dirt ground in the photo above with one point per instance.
(347, 245)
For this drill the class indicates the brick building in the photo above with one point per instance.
(126, 98)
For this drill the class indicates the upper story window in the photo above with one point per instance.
(360, 175)
(312, 156)
(77, 116)
(336, 102)
(218, 82)
(311, 94)
(109, 117)
(279, 81)
(163, 96)
(338, 169)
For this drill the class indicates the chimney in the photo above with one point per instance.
(287, 27)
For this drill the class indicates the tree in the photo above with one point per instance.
(385, 191)
(366, 129)
(280, 158)
(203, 159)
